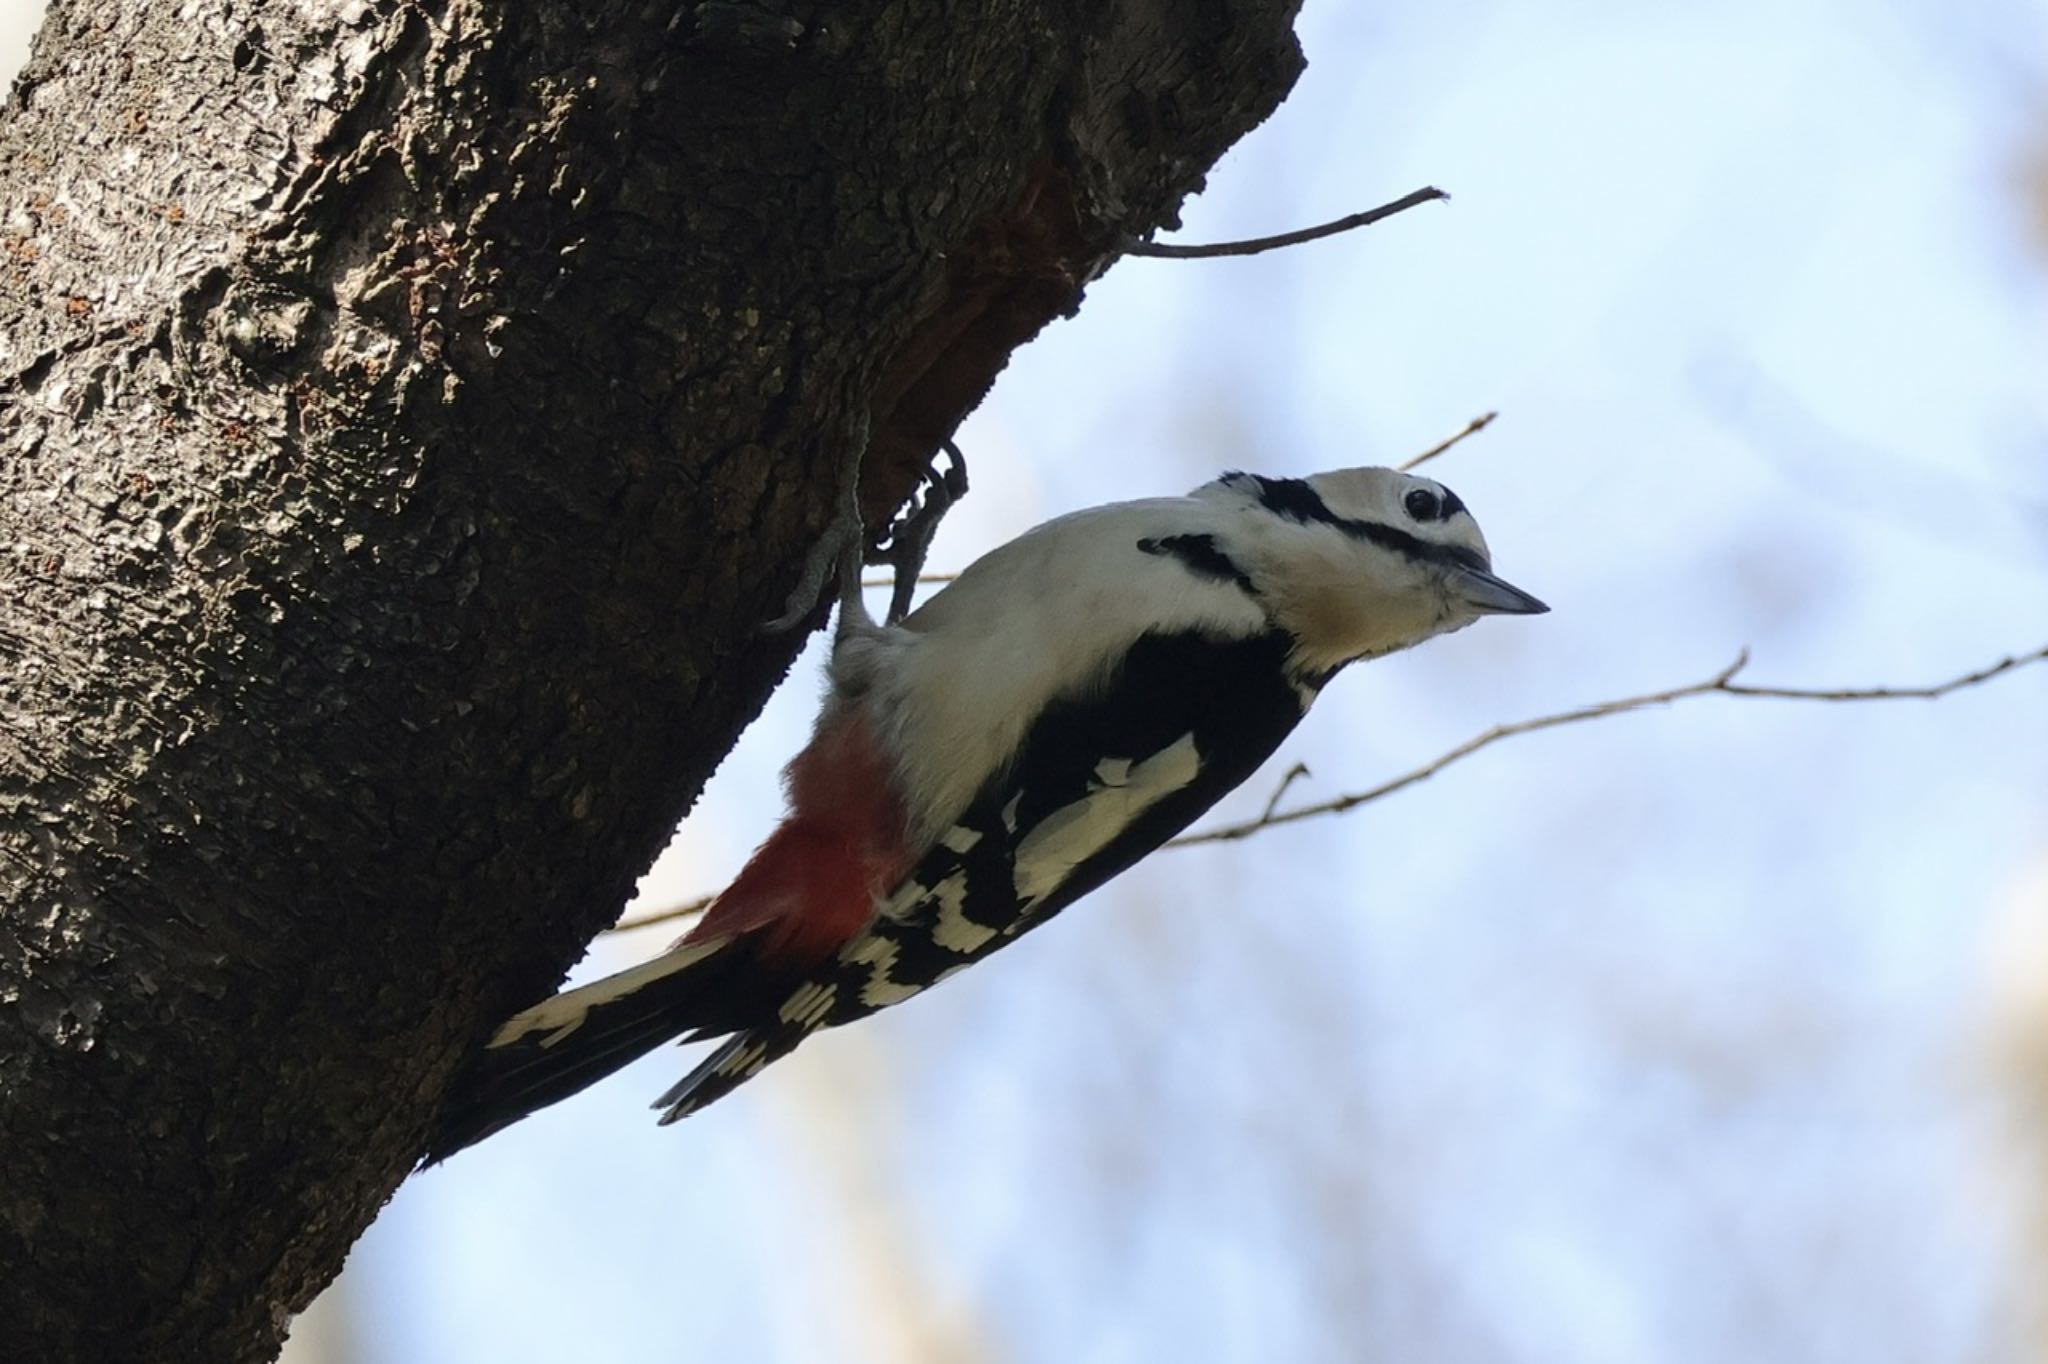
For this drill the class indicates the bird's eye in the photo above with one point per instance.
(1423, 506)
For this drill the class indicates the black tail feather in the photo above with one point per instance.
(544, 1064)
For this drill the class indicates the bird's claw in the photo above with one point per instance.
(909, 537)
(903, 546)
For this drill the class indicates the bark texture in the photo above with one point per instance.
(408, 414)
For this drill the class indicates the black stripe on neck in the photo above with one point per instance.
(1296, 500)
(1202, 557)
(1291, 498)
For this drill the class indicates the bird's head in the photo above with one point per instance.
(1355, 563)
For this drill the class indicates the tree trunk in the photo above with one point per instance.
(410, 412)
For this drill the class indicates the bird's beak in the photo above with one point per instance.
(1491, 596)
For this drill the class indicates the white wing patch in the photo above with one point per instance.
(1120, 792)
(953, 930)
(809, 1004)
(1113, 771)
(878, 954)
(562, 1014)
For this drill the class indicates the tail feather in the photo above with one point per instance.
(814, 1004)
(572, 1040)
(739, 1060)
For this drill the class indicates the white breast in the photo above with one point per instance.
(955, 687)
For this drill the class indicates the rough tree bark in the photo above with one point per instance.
(410, 411)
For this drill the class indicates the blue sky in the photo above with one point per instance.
(1688, 1035)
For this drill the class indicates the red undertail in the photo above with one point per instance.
(813, 884)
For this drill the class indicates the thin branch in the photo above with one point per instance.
(1472, 428)
(1933, 692)
(689, 909)
(1722, 683)
(1294, 774)
(1255, 245)
(920, 579)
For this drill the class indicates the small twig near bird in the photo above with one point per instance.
(1472, 428)
(1253, 246)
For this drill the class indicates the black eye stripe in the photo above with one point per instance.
(1411, 546)
(1294, 499)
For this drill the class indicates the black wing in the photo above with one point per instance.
(1099, 782)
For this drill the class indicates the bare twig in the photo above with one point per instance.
(689, 909)
(1722, 683)
(1294, 774)
(1932, 692)
(921, 578)
(1255, 245)
(1472, 428)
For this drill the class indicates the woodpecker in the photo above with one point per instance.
(1070, 702)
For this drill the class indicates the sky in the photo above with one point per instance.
(1696, 1034)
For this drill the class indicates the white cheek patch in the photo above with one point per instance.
(1121, 791)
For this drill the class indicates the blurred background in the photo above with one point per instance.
(1708, 1033)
